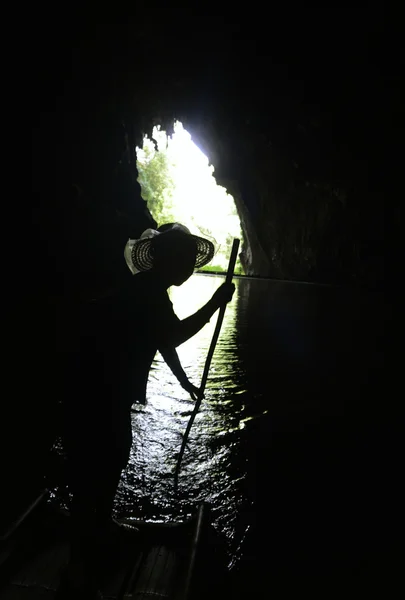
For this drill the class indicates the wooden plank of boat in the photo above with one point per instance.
(158, 563)
(155, 576)
(167, 569)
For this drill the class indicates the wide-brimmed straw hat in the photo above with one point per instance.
(139, 254)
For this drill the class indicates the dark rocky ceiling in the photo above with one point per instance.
(294, 109)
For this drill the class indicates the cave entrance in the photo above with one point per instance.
(178, 184)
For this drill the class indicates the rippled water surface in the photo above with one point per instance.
(287, 414)
(213, 469)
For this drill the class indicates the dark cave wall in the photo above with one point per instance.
(289, 139)
(288, 118)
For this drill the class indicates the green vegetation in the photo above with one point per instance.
(178, 184)
(156, 182)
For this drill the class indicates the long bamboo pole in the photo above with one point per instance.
(229, 276)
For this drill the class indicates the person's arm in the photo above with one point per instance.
(171, 358)
(183, 330)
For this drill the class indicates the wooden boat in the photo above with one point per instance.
(164, 561)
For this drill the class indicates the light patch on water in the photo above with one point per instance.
(210, 468)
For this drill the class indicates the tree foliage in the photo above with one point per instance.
(177, 183)
(156, 182)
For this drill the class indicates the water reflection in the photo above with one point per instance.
(292, 384)
(213, 468)
(288, 358)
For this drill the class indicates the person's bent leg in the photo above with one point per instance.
(113, 465)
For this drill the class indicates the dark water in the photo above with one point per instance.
(285, 445)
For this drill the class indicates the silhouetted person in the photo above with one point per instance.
(120, 336)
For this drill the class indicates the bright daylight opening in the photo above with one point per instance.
(178, 184)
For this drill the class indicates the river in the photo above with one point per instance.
(213, 467)
(289, 360)
(285, 433)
